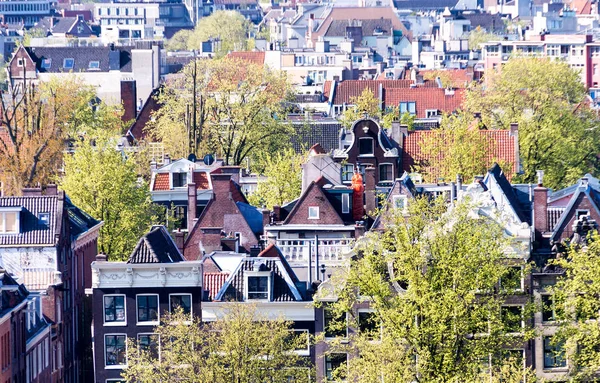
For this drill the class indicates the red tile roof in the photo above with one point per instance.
(161, 181)
(425, 98)
(501, 148)
(253, 57)
(213, 283)
(346, 90)
(326, 90)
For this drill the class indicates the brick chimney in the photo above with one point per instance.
(51, 189)
(540, 208)
(359, 229)
(266, 217)
(180, 240)
(277, 213)
(32, 192)
(370, 192)
(192, 202)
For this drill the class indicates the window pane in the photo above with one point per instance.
(512, 317)
(335, 365)
(258, 287)
(365, 146)
(11, 222)
(369, 324)
(147, 308)
(553, 354)
(114, 309)
(181, 301)
(385, 172)
(115, 350)
(149, 343)
(334, 326)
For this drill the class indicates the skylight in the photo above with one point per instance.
(68, 63)
(94, 65)
(46, 63)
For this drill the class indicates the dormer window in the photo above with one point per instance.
(44, 219)
(179, 179)
(258, 285)
(9, 220)
(68, 63)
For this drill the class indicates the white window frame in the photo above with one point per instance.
(191, 304)
(325, 364)
(313, 215)
(396, 198)
(379, 169)
(20, 62)
(430, 113)
(147, 323)
(150, 333)
(345, 173)
(325, 327)
(522, 287)
(267, 274)
(116, 366)
(304, 351)
(115, 323)
(372, 154)
(553, 308)
(345, 203)
(522, 307)
(367, 310)
(10, 210)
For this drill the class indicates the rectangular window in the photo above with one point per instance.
(550, 311)
(258, 287)
(114, 309)
(68, 63)
(512, 280)
(147, 308)
(512, 318)
(347, 172)
(302, 339)
(409, 107)
(554, 354)
(365, 146)
(94, 65)
(149, 343)
(369, 324)
(430, 113)
(335, 366)
(313, 212)
(183, 301)
(179, 180)
(345, 203)
(115, 350)
(46, 63)
(335, 326)
(20, 62)
(386, 172)
(9, 222)
(400, 202)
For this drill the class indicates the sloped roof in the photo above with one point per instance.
(253, 57)
(507, 190)
(425, 98)
(137, 129)
(582, 190)
(252, 215)
(33, 231)
(325, 133)
(161, 181)
(502, 147)
(316, 184)
(157, 246)
(368, 26)
(346, 90)
(82, 56)
(582, 7)
(79, 221)
(415, 5)
(213, 283)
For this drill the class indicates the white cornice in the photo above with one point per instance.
(128, 275)
(290, 311)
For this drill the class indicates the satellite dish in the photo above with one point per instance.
(192, 157)
(209, 159)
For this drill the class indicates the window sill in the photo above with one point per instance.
(313, 218)
(366, 156)
(556, 369)
(115, 324)
(117, 367)
(153, 323)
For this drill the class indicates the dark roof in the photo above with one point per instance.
(79, 221)
(325, 133)
(492, 23)
(10, 298)
(119, 59)
(137, 130)
(369, 27)
(252, 215)
(424, 4)
(33, 231)
(508, 191)
(157, 246)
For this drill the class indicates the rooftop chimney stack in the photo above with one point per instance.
(192, 202)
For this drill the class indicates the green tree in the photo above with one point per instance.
(102, 182)
(240, 346)
(229, 106)
(457, 147)
(432, 281)
(577, 307)
(229, 28)
(480, 36)
(283, 171)
(33, 33)
(365, 104)
(557, 131)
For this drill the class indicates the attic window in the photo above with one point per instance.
(258, 285)
(46, 63)
(365, 146)
(68, 63)
(429, 113)
(44, 219)
(9, 222)
(408, 107)
(20, 62)
(94, 65)
(313, 212)
(179, 179)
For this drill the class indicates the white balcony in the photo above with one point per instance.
(328, 251)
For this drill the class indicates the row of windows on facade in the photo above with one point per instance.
(67, 63)
(550, 49)
(114, 11)
(11, 7)
(116, 21)
(38, 359)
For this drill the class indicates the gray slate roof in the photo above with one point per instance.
(338, 27)
(119, 59)
(316, 132)
(157, 246)
(32, 230)
(79, 221)
(424, 4)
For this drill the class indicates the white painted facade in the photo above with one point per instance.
(126, 275)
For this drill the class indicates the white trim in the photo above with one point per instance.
(372, 154)
(7, 315)
(304, 351)
(115, 366)
(3, 214)
(150, 333)
(379, 170)
(317, 211)
(191, 303)
(346, 196)
(260, 274)
(116, 275)
(289, 311)
(114, 323)
(325, 327)
(147, 323)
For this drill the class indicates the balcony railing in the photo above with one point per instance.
(328, 251)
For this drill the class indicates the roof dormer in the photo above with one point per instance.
(10, 220)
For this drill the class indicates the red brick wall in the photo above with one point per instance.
(16, 70)
(129, 100)
(582, 203)
(314, 197)
(5, 352)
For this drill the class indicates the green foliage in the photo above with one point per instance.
(32, 33)
(457, 147)
(479, 36)
(230, 28)
(284, 179)
(104, 184)
(432, 279)
(238, 110)
(365, 104)
(240, 346)
(557, 132)
(576, 294)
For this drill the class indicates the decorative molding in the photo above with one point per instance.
(127, 275)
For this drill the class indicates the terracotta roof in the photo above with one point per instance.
(213, 283)
(425, 98)
(582, 7)
(345, 90)
(254, 57)
(326, 90)
(369, 13)
(161, 181)
(501, 148)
